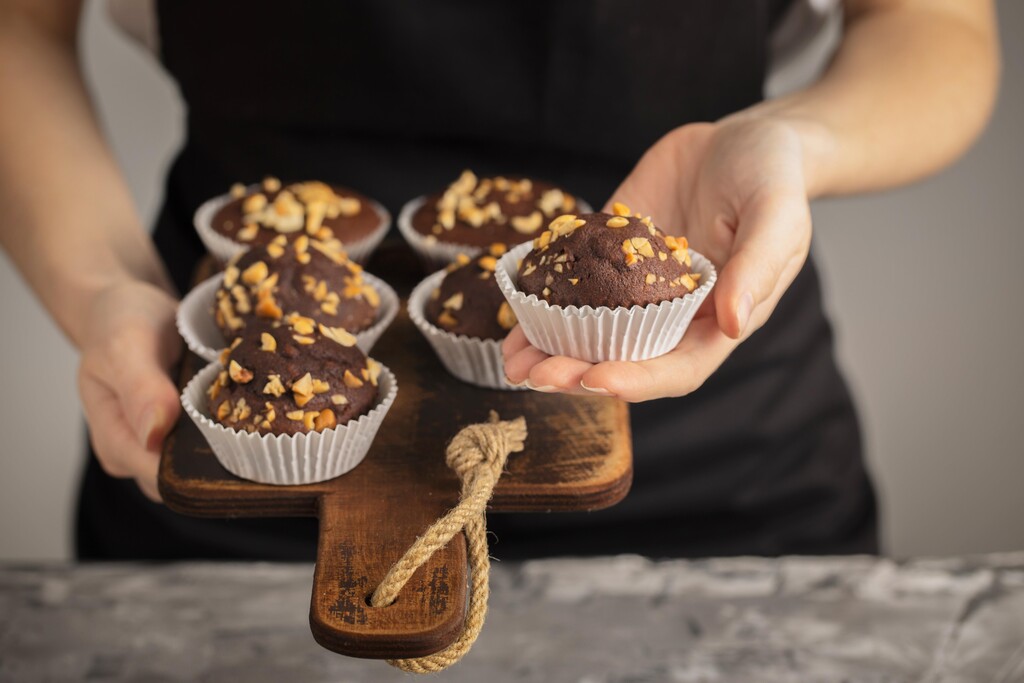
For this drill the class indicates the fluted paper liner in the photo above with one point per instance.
(471, 359)
(436, 254)
(224, 248)
(602, 334)
(196, 324)
(304, 458)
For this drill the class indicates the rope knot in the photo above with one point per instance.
(490, 442)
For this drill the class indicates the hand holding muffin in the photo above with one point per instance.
(738, 190)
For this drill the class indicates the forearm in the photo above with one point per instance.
(70, 224)
(909, 89)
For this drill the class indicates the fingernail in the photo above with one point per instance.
(514, 384)
(743, 311)
(596, 390)
(147, 424)
(546, 388)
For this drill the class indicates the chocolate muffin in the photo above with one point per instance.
(292, 376)
(479, 212)
(311, 277)
(312, 208)
(597, 259)
(469, 301)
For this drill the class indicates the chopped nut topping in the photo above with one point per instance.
(564, 225)
(497, 249)
(551, 201)
(242, 303)
(446, 319)
(255, 274)
(320, 386)
(315, 212)
(238, 373)
(295, 415)
(274, 386)
(617, 222)
(223, 410)
(266, 307)
(620, 209)
(527, 225)
(574, 281)
(506, 318)
(546, 292)
(309, 417)
(488, 263)
(254, 203)
(248, 232)
(267, 342)
(231, 274)
(271, 184)
(237, 191)
(301, 324)
(275, 250)
(241, 411)
(325, 420)
(339, 335)
(303, 339)
(371, 296)
(339, 400)
(351, 380)
(373, 369)
(454, 302)
(529, 269)
(349, 206)
(651, 278)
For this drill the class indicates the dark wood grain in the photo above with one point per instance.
(577, 457)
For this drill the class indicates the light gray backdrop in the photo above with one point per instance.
(923, 284)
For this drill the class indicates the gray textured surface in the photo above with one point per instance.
(589, 621)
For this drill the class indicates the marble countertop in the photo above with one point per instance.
(588, 621)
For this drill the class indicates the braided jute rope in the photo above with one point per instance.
(477, 454)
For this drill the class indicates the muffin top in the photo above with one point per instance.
(479, 212)
(313, 208)
(469, 301)
(311, 277)
(292, 376)
(599, 259)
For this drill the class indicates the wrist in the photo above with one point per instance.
(818, 142)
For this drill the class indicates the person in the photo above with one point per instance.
(745, 436)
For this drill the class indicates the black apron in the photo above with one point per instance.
(395, 99)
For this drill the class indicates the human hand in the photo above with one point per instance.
(738, 192)
(130, 403)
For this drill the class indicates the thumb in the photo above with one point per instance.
(771, 245)
(148, 397)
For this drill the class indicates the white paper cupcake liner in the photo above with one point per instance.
(225, 248)
(471, 359)
(196, 324)
(601, 334)
(285, 459)
(435, 254)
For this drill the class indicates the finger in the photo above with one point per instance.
(117, 449)
(137, 369)
(679, 372)
(518, 367)
(515, 342)
(561, 374)
(772, 241)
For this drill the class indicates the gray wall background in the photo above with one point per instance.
(923, 284)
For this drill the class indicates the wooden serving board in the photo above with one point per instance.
(578, 457)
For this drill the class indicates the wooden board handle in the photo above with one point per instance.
(357, 546)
